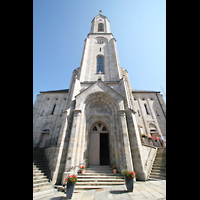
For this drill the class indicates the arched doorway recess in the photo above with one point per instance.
(99, 145)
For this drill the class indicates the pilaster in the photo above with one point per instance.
(72, 148)
(125, 139)
(61, 141)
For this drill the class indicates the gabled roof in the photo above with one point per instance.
(99, 81)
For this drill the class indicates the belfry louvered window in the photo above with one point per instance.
(100, 64)
(100, 27)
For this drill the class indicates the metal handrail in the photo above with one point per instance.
(73, 167)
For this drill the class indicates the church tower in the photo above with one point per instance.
(100, 103)
(100, 57)
(98, 121)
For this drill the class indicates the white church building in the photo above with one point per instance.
(100, 119)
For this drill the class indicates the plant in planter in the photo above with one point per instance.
(114, 169)
(150, 138)
(144, 135)
(71, 182)
(82, 169)
(129, 179)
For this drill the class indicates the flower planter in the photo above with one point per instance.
(114, 171)
(82, 168)
(129, 183)
(70, 189)
(71, 182)
(129, 177)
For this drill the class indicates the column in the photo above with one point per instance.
(61, 141)
(125, 139)
(71, 155)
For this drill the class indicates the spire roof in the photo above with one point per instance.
(100, 13)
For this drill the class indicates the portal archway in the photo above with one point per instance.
(99, 153)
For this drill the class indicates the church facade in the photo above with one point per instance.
(99, 120)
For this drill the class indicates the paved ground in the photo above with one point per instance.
(142, 190)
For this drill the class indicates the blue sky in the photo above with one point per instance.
(61, 26)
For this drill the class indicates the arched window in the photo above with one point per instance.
(100, 64)
(100, 128)
(100, 27)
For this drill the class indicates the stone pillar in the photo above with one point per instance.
(72, 148)
(125, 138)
(61, 141)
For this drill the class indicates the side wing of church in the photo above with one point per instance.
(99, 120)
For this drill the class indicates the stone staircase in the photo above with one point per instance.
(101, 176)
(159, 166)
(41, 185)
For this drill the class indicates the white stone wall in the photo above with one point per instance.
(100, 19)
(42, 114)
(156, 111)
(88, 68)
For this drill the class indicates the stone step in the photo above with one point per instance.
(161, 149)
(41, 184)
(38, 163)
(99, 177)
(102, 174)
(90, 187)
(100, 166)
(100, 180)
(40, 181)
(160, 159)
(39, 171)
(157, 177)
(100, 183)
(98, 171)
(159, 165)
(39, 174)
(46, 194)
(42, 188)
(158, 173)
(39, 177)
(158, 170)
(46, 187)
(39, 167)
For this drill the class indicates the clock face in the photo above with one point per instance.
(100, 20)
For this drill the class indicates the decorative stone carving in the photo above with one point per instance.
(152, 126)
(100, 108)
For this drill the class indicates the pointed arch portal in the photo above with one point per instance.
(99, 145)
